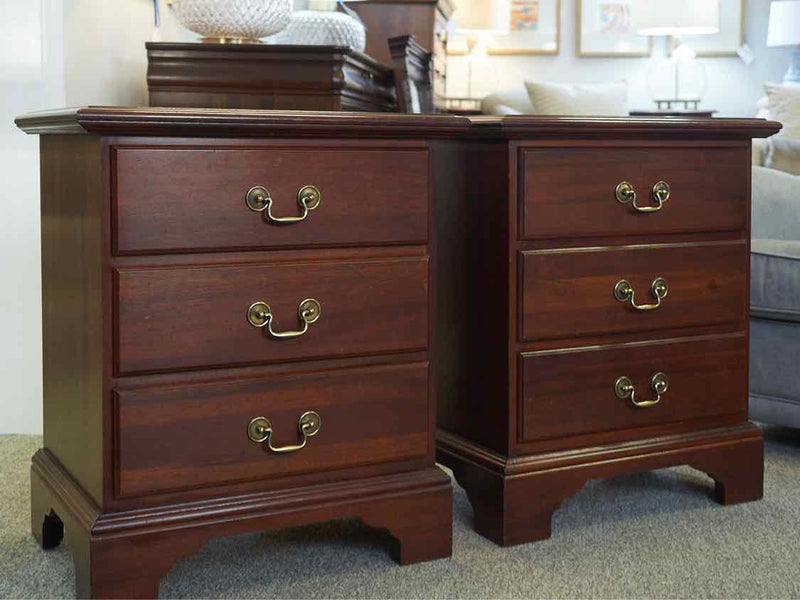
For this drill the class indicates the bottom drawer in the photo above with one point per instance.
(197, 435)
(570, 392)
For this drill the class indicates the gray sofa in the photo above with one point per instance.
(775, 298)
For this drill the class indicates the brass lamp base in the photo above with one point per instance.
(230, 40)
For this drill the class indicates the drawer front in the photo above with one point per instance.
(176, 318)
(570, 192)
(192, 436)
(170, 199)
(573, 392)
(568, 293)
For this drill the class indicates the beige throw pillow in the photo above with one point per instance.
(783, 154)
(584, 99)
(784, 106)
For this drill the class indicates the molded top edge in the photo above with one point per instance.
(526, 125)
(265, 123)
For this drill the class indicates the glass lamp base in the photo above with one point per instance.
(792, 76)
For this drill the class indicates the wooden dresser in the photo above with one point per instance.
(266, 76)
(238, 317)
(426, 20)
(593, 310)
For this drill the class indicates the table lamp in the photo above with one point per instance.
(784, 30)
(478, 21)
(676, 18)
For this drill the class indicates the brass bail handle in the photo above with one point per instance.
(623, 292)
(260, 430)
(626, 194)
(258, 199)
(623, 388)
(259, 315)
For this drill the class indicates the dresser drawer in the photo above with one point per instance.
(186, 317)
(197, 435)
(570, 192)
(570, 392)
(172, 198)
(571, 292)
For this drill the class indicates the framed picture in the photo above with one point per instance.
(605, 28)
(535, 29)
(724, 43)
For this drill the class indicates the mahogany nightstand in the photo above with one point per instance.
(593, 312)
(238, 315)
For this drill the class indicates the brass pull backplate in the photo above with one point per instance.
(623, 388)
(258, 199)
(626, 194)
(623, 292)
(260, 430)
(259, 314)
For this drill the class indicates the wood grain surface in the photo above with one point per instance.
(178, 198)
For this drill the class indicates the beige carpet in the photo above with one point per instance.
(650, 535)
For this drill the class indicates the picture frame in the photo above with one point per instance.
(724, 43)
(605, 29)
(535, 29)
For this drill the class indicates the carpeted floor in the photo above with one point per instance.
(650, 535)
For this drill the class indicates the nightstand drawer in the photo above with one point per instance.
(172, 318)
(571, 392)
(196, 435)
(571, 192)
(174, 198)
(583, 292)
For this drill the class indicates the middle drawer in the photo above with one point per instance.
(188, 317)
(580, 292)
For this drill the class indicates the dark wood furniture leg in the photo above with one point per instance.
(514, 499)
(125, 554)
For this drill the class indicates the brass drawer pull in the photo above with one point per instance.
(258, 199)
(625, 193)
(260, 430)
(260, 315)
(623, 291)
(623, 388)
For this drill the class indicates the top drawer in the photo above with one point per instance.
(175, 198)
(571, 191)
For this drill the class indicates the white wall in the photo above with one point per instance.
(31, 78)
(733, 87)
(53, 53)
(104, 55)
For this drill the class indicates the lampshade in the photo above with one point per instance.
(483, 16)
(675, 17)
(784, 23)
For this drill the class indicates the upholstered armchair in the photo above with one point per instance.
(775, 298)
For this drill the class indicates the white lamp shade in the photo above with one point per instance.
(483, 16)
(675, 17)
(784, 23)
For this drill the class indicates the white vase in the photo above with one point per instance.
(234, 20)
(322, 28)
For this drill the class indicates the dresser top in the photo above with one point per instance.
(267, 123)
(106, 120)
(537, 126)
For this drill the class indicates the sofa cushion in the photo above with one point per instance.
(783, 154)
(588, 99)
(508, 102)
(775, 279)
(776, 204)
(784, 106)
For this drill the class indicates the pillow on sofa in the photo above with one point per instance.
(783, 154)
(585, 99)
(508, 102)
(784, 106)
